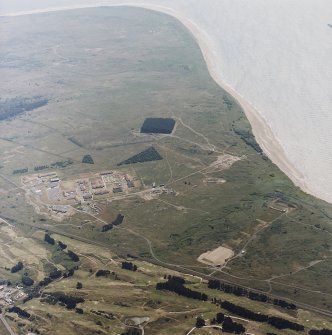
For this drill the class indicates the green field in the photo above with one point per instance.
(103, 72)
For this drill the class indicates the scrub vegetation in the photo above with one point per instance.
(106, 71)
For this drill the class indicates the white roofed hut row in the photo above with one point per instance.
(59, 209)
(101, 192)
(105, 173)
(87, 196)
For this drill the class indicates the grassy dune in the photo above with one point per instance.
(103, 71)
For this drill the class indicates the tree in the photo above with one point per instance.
(118, 220)
(176, 284)
(320, 332)
(129, 266)
(69, 273)
(103, 273)
(79, 285)
(200, 322)
(20, 312)
(27, 281)
(56, 274)
(132, 331)
(17, 267)
(61, 245)
(281, 323)
(244, 312)
(107, 227)
(220, 317)
(45, 281)
(49, 239)
(73, 256)
(232, 327)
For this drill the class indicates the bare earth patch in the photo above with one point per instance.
(223, 162)
(216, 257)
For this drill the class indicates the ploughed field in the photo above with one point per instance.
(89, 80)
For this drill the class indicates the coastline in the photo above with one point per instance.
(261, 129)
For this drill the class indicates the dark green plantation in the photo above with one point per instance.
(158, 125)
(148, 155)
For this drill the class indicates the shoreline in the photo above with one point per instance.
(261, 129)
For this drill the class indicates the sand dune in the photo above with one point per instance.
(274, 57)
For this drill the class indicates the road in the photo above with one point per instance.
(5, 323)
(210, 146)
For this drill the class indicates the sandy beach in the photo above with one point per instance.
(261, 129)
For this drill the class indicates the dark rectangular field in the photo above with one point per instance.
(158, 125)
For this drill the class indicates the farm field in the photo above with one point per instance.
(86, 91)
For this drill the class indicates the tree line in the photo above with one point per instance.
(107, 227)
(320, 332)
(103, 273)
(17, 267)
(20, 312)
(72, 255)
(117, 221)
(276, 322)
(56, 274)
(176, 284)
(68, 301)
(242, 292)
(129, 266)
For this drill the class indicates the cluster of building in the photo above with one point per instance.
(60, 208)
(129, 182)
(10, 294)
(59, 195)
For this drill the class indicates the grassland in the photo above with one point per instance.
(123, 295)
(103, 72)
(3, 330)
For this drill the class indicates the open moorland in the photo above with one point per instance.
(77, 86)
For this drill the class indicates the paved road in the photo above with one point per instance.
(4, 321)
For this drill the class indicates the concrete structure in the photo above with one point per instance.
(60, 209)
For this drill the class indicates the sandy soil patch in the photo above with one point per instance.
(216, 257)
(223, 162)
(139, 320)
